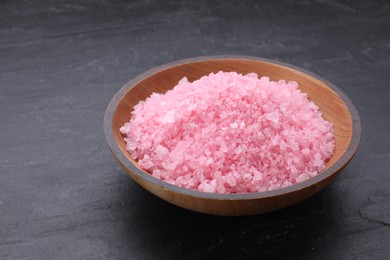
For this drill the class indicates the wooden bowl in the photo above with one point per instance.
(335, 105)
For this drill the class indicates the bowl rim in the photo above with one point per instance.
(335, 168)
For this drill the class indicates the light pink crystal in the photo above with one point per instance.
(230, 133)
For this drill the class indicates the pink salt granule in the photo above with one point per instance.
(230, 133)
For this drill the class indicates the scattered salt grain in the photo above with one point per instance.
(230, 133)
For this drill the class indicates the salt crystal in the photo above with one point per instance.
(247, 177)
(157, 174)
(234, 125)
(252, 75)
(183, 81)
(231, 180)
(206, 187)
(230, 133)
(191, 107)
(302, 177)
(168, 117)
(317, 160)
(131, 145)
(161, 150)
(282, 145)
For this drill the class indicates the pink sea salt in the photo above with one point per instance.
(230, 133)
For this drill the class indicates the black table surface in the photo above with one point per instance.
(64, 196)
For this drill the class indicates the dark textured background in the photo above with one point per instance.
(62, 194)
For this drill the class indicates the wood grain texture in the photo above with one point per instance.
(334, 105)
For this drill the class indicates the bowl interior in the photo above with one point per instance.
(330, 103)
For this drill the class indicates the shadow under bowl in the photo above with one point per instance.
(333, 103)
